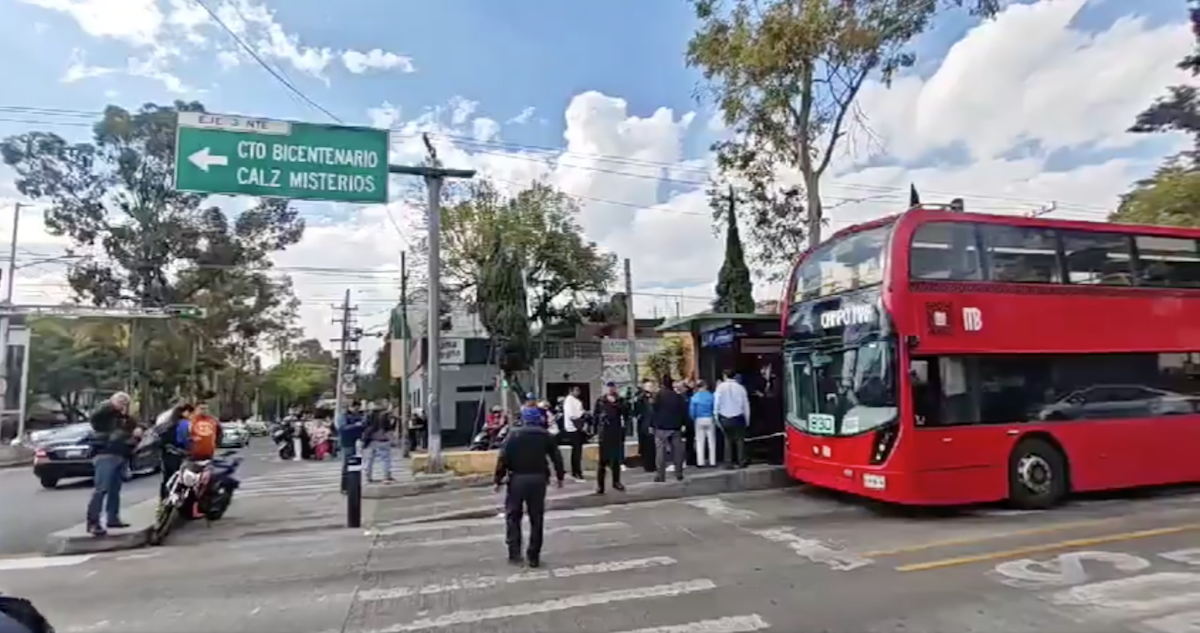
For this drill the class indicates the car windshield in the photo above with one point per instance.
(845, 391)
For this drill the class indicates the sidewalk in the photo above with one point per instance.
(639, 487)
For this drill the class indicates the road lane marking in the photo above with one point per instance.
(721, 510)
(487, 582)
(42, 562)
(972, 540)
(453, 524)
(732, 624)
(1047, 547)
(475, 616)
(1185, 622)
(487, 538)
(815, 550)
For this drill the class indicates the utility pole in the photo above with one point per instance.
(402, 340)
(6, 322)
(435, 176)
(631, 326)
(340, 382)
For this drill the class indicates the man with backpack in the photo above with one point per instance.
(200, 435)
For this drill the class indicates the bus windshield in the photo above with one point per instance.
(850, 263)
(844, 391)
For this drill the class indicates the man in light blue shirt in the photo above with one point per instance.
(732, 406)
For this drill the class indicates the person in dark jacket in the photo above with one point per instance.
(611, 414)
(643, 410)
(377, 438)
(172, 438)
(523, 463)
(668, 418)
(350, 431)
(115, 436)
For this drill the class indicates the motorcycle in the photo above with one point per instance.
(199, 489)
(484, 442)
(282, 436)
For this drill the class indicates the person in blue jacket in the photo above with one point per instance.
(701, 411)
(349, 432)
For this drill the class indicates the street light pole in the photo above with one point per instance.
(434, 177)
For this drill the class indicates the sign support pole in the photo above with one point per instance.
(434, 177)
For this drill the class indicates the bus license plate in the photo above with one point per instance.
(820, 423)
(874, 482)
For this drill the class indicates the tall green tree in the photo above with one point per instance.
(785, 76)
(1171, 197)
(735, 290)
(140, 242)
(502, 303)
(75, 362)
(540, 231)
(1179, 109)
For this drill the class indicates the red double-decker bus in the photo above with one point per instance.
(944, 358)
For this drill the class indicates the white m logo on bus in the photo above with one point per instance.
(972, 319)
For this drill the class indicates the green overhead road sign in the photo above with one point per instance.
(235, 155)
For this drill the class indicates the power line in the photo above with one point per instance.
(548, 154)
(278, 75)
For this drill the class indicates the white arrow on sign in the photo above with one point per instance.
(203, 159)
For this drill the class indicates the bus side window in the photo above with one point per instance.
(926, 391)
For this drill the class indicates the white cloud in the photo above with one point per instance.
(167, 30)
(524, 117)
(1083, 89)
(79, 69)
(376, 59)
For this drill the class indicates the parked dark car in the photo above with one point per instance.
(67, 454)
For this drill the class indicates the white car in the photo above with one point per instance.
(234, 435)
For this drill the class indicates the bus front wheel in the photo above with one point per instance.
(1037, 475)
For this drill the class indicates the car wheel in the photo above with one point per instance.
(49, 483)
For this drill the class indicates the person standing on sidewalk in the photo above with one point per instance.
(377, 438)
(611, 414)
(115, 436)
(522, 463)
(732, 406)
(700, 410)
(573, 419)
(643, 413)
(668, 417)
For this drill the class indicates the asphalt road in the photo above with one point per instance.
(779, 561)
(28, 512)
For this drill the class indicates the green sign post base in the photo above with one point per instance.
(235, 155)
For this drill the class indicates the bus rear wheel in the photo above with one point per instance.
(1037, 475)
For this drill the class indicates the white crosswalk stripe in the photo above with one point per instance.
(591, 579)
(299, 479)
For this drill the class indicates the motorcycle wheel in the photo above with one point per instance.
(164, 521)
(220, 504)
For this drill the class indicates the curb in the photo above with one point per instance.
(11, 465)
(765, 478)
(76, 540)
(425, 484)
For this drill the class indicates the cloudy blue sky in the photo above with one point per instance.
(1014, 114)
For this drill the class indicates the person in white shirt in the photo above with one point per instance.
(731, 404)
(573, 412)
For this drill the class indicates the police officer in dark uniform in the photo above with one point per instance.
(522, 460)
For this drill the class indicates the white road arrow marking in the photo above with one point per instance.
(203, 159)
